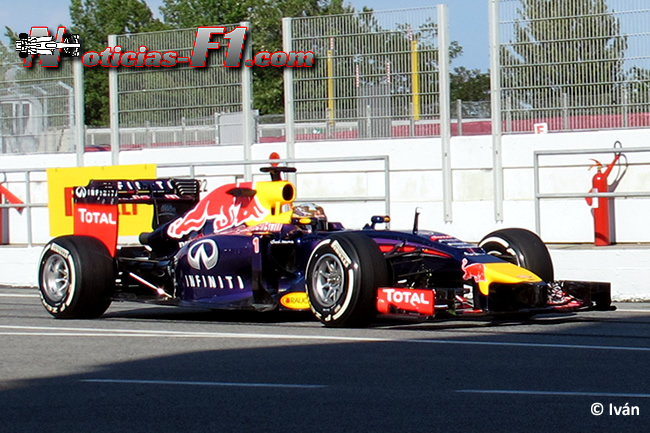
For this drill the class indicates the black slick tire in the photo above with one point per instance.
(343, 274)
(76, 277)
(522, 248)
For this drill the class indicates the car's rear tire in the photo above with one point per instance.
(343, 274)
(76, 277)
(522, 248)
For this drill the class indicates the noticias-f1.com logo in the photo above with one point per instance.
(48, 48)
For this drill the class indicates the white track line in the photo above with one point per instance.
(552, 393)
(632, 310)
(187, 383)
(91, 332)
(18, 295)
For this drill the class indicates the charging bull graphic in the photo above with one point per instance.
(223, 207)
(475, 271)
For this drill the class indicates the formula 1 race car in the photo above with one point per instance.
(247, 245)
(45, 45)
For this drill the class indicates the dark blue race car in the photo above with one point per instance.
(248, 246)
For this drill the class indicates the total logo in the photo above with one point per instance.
(89, 217)
(203, 254)
(409, 301)
(412, 297)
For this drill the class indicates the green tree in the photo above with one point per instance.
(183, 14)
(564, 51)
(469, 85)
(94, 20)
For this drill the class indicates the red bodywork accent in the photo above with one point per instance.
(223, 209)
(401, 301)
(99, 221)
(386, 248)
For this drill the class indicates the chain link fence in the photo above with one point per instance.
(574, 64)
(375, 75)
(36, 106)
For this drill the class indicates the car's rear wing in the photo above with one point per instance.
(96, 204)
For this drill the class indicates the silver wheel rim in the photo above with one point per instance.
(328, 279)
(56, 278)
(504, 253)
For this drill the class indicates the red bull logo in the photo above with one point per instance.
(475, 271)
(223, 209)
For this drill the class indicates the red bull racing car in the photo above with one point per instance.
(247, 245)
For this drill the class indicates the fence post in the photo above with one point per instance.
(495, 97)
(625, 109)
(368, 122)
(508, 113)
(445, 106)
(459, 116)
(28, 209)
(113, 108)
(216, 128)
(565, 111)
(289, 113)
(183, 139)
(147, 133)
(79, 127)
(247, 101)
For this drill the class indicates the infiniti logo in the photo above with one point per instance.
(81, 192)
(203, 252)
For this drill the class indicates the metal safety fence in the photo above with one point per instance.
(623, 196)
(376, 74)
(179, 105)
(573, 64)
(36, 106)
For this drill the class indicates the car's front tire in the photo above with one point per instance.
(522, 248)
(343, 274)
(76, 277)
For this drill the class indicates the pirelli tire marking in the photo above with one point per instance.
(342, 276)
(53, 305)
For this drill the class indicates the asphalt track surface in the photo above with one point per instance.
(153, 369)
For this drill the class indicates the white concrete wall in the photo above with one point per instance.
(416, 181)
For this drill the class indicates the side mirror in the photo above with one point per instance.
(377, 219)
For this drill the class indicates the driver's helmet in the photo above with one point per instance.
(313, 211)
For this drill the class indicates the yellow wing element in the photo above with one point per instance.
(488, 273)
(505, 273)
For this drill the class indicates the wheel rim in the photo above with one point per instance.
(56, 278)
(500, 251)
(328, 279)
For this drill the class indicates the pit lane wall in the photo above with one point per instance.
(416, 181)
